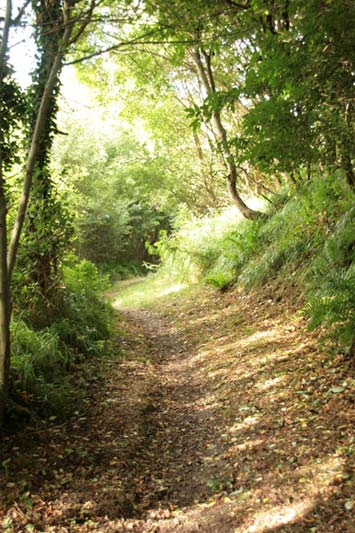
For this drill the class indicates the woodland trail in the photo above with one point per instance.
(216, 413)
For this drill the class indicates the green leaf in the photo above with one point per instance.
(7, 523)
(337, 390)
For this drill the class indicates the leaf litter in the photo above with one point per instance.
(218, 413)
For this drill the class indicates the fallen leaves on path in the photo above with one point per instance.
(218, 414)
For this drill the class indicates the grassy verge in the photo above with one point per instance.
(45, 373)
(305, 239)
(143, 292)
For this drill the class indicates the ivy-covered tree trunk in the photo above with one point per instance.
(205, 74)
(45, 227)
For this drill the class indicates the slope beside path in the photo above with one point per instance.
(217, 413)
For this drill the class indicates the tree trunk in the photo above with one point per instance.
(346, 148)
(4, 279)
(232, 177)
(8, 253)
(4, 304)
(34, 148)
(204, 71)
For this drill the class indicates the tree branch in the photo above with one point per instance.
(209, 70)
(20, 13)
(201, 71)
(120, 45)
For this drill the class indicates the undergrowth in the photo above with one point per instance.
(307, 237)
(44, 359)
(331, 297)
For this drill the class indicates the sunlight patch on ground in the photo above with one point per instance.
(267, 346)
(319, 477)
(248, 445)
(173, 288)
(261, 335)
(275, 334)
(279, 516)
(143, 292)
(246, 423)
(322, 474)
(269, 383)
(236, 347)
(263, 517)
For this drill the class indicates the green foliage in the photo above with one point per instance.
(290, 237)
(82, 277)
(84, 319)
(212, 248)
(38, 370)
(236, 249)
(12, 108)
(103, 228)
(118, 193)
(113, 234)
(331, 298)
(44, 359)
(37, 276)
(309, 237)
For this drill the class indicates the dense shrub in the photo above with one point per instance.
(44, 358)
(224, 249)
(39, 364)
(291, 236)
(204, 248)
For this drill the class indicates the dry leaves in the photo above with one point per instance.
(222, 416)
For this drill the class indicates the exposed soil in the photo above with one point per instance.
(217, 413)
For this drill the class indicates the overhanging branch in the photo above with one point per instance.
(124, 44)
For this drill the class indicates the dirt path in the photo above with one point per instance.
(216, 414)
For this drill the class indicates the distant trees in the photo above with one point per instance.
(125, 185)
(252, 80)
